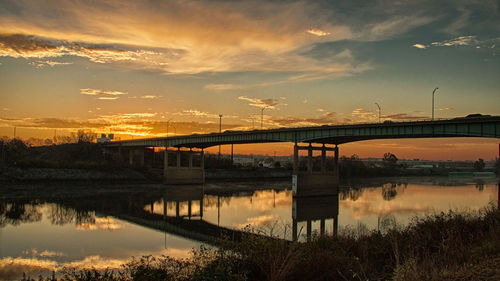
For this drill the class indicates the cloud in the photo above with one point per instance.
(262, 103)
(459, 41)
(326, 118)
(137, 124)
(419, 46)
(197, 113)
(129, 115)
(152, 97)
(102, 94)
(41, 64)
(404, 116)
(362, 115)
(173, 37)
(447, 109)
(317, 32)
(468, 41)
(94, 92)
(223, 87)
(394, 26)
(30, 46)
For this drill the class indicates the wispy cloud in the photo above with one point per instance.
(459, 41)
(102, 94)
(262, 103)
(30, 46)
(325, 118)
(404, 116)
(419, 46)
(224, 87)
(151, 97)
(41, 64)
(107, 98)
(317, 32)
(463, 41)
(197, 113)
(447, 109)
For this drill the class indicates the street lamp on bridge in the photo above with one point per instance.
(168, 121)
(379, 111)
(262, 116)
(433, 102)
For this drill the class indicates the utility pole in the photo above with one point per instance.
(379, 111)
(14, 132)
(433, 102)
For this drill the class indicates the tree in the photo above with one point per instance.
(83, 137)
(479, 164)
(389, 160)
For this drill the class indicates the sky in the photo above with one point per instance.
(136, 68)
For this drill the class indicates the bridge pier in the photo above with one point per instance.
(315, 183)
(183, 167)
(136, 156)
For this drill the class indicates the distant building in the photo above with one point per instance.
(104, 138)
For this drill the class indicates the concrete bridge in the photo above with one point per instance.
(186, 167)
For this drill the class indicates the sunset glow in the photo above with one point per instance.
(142, 69)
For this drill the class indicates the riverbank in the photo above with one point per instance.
(60, 174)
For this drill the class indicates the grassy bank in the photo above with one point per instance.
(445, 246)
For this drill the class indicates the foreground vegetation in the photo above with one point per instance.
(445, 246)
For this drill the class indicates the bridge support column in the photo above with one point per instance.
(136, 156)
(177, 171)
(314, 183)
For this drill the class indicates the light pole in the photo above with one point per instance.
(167, 126)
(262, 116)
(379, 111)
(220, 128)
(433, 102)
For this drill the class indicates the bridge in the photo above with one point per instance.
(186, 167)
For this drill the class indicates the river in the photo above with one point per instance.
(51, 226)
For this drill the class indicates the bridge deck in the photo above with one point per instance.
(488, 127)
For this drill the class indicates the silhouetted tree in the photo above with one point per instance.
(479, 164)
(389, 160)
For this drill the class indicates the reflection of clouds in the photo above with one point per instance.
(100, 223)
(13, 268)
(414, 199)
(43, 254)
(259, 201)
(265, 220)
(96, 262)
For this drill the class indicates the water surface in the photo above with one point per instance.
(105, 227)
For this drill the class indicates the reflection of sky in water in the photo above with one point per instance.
(108, 241)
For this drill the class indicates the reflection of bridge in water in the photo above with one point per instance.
(191, 225)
